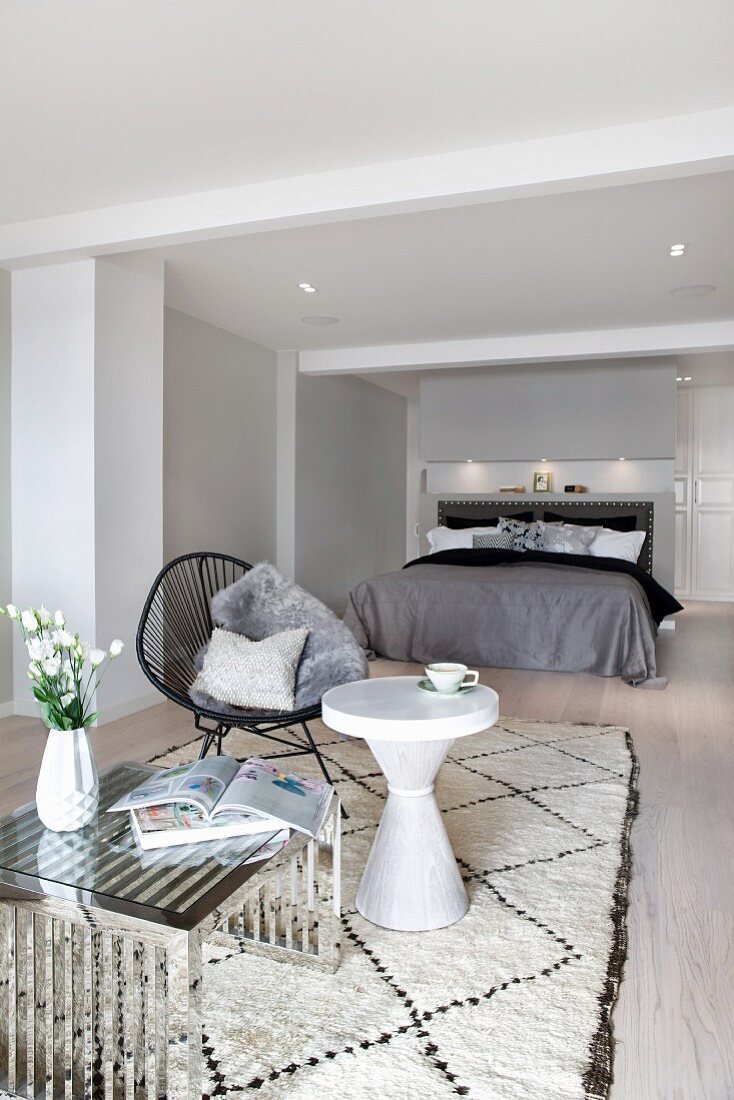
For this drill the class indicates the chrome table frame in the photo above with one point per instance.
(101, 997)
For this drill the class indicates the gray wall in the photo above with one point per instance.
(350, 494)
(565, 411)
(219, 441)
(6, 654)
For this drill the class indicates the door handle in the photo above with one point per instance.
(695, 491)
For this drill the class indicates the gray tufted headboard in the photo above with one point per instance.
(489, 508)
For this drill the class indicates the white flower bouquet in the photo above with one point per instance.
(64, 671)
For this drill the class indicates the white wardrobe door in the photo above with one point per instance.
(713, 493)
(683, 492)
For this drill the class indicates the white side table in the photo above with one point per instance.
(411, 881)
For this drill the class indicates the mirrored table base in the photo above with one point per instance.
(94, 1007)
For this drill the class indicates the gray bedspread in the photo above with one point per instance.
(547, 617)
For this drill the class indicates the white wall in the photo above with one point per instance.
(634, 475)
(219, 456)
(6, 648)
(350, 499)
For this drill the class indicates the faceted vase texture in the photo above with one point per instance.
(68, 787)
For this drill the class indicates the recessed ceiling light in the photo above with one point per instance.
(307, 288)
(677, 249)
(320, 320)
(544, 460)
(699, 290)
(687, 378)
(679, 378)
(622, 459)
(470, 460)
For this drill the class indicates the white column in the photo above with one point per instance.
(287, 381)
(87, 425)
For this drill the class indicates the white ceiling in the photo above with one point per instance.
(585, 260)
(114, 102)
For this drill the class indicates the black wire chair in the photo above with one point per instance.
(176, 622)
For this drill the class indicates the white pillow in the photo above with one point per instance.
(625, 545)
(445, 538)
(260, 675)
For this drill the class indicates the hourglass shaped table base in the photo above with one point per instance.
(411, 881)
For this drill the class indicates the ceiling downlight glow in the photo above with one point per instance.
(307, 288)
(622, 459)
(677, 249)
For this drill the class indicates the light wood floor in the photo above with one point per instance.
(674, 1024)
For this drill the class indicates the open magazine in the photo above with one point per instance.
(218, 797)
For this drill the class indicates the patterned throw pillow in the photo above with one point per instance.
(525, 536)
(258, 675)
(568, 540)
(496, 540)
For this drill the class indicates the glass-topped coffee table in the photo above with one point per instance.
(101, 944)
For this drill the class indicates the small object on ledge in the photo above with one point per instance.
(574, 489)
(512, 489)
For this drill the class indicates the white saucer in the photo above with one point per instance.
(426, 685)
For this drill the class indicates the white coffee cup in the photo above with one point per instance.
(448, 677)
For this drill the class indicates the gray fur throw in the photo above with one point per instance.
(263, 603)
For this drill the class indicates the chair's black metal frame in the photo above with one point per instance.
(176, 622)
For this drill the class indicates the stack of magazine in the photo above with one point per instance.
(217, 798)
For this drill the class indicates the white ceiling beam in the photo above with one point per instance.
(662, 148)
(649, 340)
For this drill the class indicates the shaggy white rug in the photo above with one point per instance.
(511, 1003)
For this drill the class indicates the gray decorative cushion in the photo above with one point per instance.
(568, 540)
(263, 603)
(258, 675)
(525, 536)
(497, 540)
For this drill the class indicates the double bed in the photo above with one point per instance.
(501, 608)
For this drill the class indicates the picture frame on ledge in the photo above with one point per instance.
(542, 481)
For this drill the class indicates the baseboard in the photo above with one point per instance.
(124, 710)
(25, 708)
(28, 708)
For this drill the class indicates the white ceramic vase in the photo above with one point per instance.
(68, 786)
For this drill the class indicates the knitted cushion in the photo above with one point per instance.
(496, 540)
(259, 675)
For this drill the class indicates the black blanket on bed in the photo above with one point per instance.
(661, 602)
